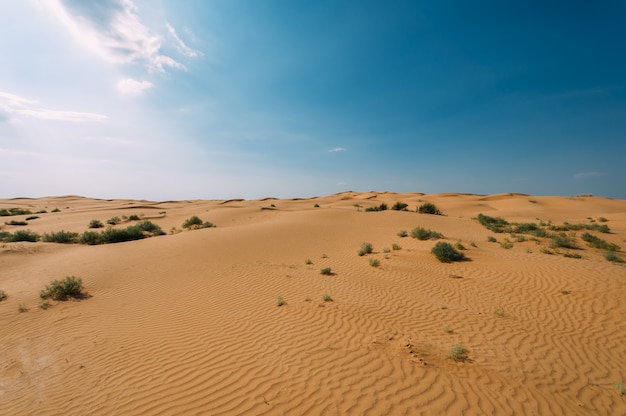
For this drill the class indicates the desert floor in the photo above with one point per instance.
(188, 322)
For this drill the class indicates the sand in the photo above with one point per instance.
(189, 323)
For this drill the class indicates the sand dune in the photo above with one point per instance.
(188, 323)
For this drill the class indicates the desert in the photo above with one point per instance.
(316, 306)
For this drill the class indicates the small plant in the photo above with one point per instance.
(3, 295)
(458, 353)
(386, 250)
(114, 220)
(374, 262)
(326, 271)
(402, 233)
(399, 206)
(13, 222)
(563, 240)
(506, 244)
(396, 247)
(565, 292)
(90, 238)
(327, 298)
(602, 219)
(473, 244)
(597, 242)
(280, 301)
(492, 239)
(32, 217)
(192, 222)
(308, 262)
(44, 304)
(448, 329)
(366, 248)
(612, 257)
(56, 210)
(459, 246)
(96, 224)
(381, 207)
(499, 312)
(445, 253)
(316, 206)
(621, 388)
(424, 234)
(134, 218)
(429, 208)
(546, 250)
(23, 235)
(324, 256)
(62, 237)
(22, 308)
(71, 286)
(572, 255)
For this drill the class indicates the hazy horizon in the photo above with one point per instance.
(179, 100)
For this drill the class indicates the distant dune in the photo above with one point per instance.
(188, 322)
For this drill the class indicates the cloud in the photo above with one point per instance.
(180, 45)
(113, 30)
(12, 105)
(585, 175)
(129, 86)
(337, 149)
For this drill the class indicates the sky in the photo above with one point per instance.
(195, 99)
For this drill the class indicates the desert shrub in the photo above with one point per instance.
(572, 255)
(386, 250)
(525, 227)
(193, 221)
(374, 262)
(381, 207)
(459, 246)
(612, 257)
(308, 262)
(563, 240)
(13, 222)
(280, 301)
(399, 206)
(32, 217)
(597, 242)
(395, 246)
(499, 312)
(602, 219)
(56, 210)
(492, 239)
(327, 298)
(22, 308)
(326, 271)
(495, 224)
(424, 234)
(96, 224)
(566, 226)
(402, 233)
(90, 238)
(149, 227)
(112, 235)
(458, 353)
(13, 211)
(44, 304)
(316, 206)
(71, 286)
(134, 218)
(445, 253)
(506, 244)
(429, 208)
(366, 248)
(114, 220)
(23, 235)
(3, 295)
(63, 237)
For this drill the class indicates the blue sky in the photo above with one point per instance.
(165, 99)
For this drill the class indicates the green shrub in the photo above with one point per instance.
(597, 242)
(112, 235)
(563, 240)
(495, 224)
(134, 218)
(326, 271)
(149, 227)
(316, 206)
(22, 308)
(459, 246)
(429, 208)
(399, 206)
(308, 262)
(280, 301)
(3, 295)
(56, 210)
(492, 239)
(402, 233)
(395, 246)
(366, 248)
(424, 234)
(374, 262)
(381, 207)
(32, 217)
(96, 224)
(572, 255)
(90, 238)
(71, 286)
(612, 257)
(458, 353)
(445, 253)
(114, 220)
(13, 211)
(63, 237)
(506, 244)
(23, 235)
(602, 219)
(193, 221)
(13, 222)
(327, 298)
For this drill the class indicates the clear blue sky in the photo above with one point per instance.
(175, 99)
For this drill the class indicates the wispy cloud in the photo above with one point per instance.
(112, 29)
(129, 86)
(13, 106)
(586, 175)
(180, 45)
(337, 149)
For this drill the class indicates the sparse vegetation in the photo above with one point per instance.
(191, 222)
(597, 242)
(386, 250)
(366, 248)
(459, 246)
(381, 207)
(563, 240)
(458, 352)
(71, 286)
(499, 312)
(280, 301)
(44, 304)
(491, 239)
(445, 253)
(114, 220)
(56, 210)
(423, 234)
(316, 206)
(22, 235)
(572, 255)
(399, 206)
(448, 329)
(63, 237)
(429, 208)
(13, 222)
(402, 233)
(32, 217)
(565, 292)
(506, 244)
(96, 224)
(612, 257)
(374, 262)
(3, 295)
(620, 388)
(495, 224)
(395, 246)
(22, 308)
(308, 262)
(326, 271)
(327, 298)
(602, 219)
(13, 211)
(134, 217)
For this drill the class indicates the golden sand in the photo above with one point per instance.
(188, 323)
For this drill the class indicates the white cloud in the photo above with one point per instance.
(113, 30)
(180, 45)
(12, 105)
(129, 86)
(337, 149)
(585, 175)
